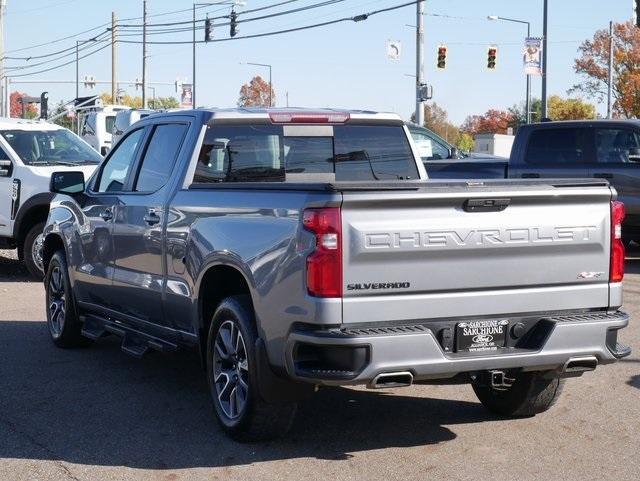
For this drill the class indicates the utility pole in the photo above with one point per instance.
(3, 89)
(114, 84)
(78, 42)
(610, 73)
(419, 61)
(193, 74)
(144, 54)
(545, 42)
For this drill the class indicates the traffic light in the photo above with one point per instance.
(233, 24)
(208, 30)
(636, 13)
(442, 57)
(492, 53)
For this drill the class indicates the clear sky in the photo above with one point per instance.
(342, 65)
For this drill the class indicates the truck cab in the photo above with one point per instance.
(30, 151)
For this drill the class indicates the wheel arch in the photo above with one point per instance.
(52, 243)
(218, 281)
(34, 210)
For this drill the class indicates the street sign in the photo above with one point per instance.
(394, 49)
(186, 97)
(532, 56)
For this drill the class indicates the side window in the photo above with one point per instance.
(160, 157)
(115, 170)
(241, 153)
(614, 146)
(428, 147)
(556, 146)
(3, 154)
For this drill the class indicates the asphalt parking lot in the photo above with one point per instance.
(97, 414)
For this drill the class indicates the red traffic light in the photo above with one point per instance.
(492, 52)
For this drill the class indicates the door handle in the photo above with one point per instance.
(106, 215)
(603, 175)
(152, 218)
(531, 176)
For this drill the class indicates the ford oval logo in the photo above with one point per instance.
(482, 339)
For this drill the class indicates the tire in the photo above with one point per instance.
(232, 376)
(62, 317)
(530, 394)
(32, 251)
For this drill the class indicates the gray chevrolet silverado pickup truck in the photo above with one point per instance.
(298, 249)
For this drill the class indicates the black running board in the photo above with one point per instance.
(134, 342)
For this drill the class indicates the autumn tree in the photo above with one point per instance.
(519, 113)
(256, 93)
(31, 111)
(491, 122)
(569, 109)
(436, 119)
(164, 103)
(592, 66)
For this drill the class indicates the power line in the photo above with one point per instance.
(355, 18)
(35, 57)
(61, 65)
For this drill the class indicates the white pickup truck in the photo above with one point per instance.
(30, 151)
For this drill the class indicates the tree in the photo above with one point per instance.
(519, 113)
(436, 119)
(465, 142)
(570, 109)
(63, 120)
(491, 122)
(164, 103)
(31, 110)
(126, 99)
(256, 93)
(592, 66)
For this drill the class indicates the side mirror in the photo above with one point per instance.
(6, 167)
(67, 183)
(634, 155)
(454, 153)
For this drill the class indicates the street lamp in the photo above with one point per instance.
(270, 86)
(239, 3)
(528, 91)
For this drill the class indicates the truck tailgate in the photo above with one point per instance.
(426, 254)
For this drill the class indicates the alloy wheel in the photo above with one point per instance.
(57, 302)
(231, 370)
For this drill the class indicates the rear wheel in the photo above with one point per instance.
(531, 393)
(232, 375)
(62, 317)
(32, 250)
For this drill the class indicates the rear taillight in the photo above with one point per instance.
(616, 267)
(324, 264)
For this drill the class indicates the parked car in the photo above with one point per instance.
(29, 152)
(433, 147)
(298, 248)
(125, 119)
(605, 149)
(98, 125)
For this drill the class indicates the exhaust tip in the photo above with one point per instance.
(391, 379)
(580, 364)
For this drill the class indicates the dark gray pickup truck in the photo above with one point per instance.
(296, 249)
(601, 149)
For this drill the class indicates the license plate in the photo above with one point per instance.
(481, 335)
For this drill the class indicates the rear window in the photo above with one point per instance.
(254, 153)
(555, 146)
(109, 122)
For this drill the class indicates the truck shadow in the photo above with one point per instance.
(12, 270)
(97, 406)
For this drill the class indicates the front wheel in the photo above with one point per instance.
(62, 318)
(32, 250)
(532, 393)
(233, 376)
